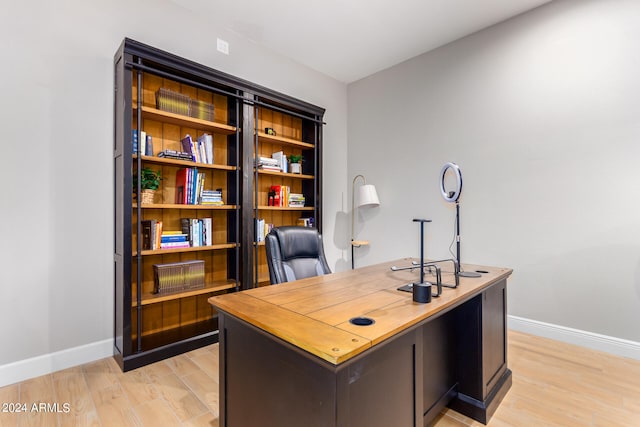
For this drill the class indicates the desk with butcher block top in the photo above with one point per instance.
(289, 356)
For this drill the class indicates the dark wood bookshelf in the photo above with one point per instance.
(148, 326)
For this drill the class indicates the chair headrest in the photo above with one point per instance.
(298, 242)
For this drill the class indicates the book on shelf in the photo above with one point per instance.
(198, 231)
(174, 237)
(181, 186)
(189, 186)
(148, 150)
(262, 229)
(305, 222)
(134, 140)
(151, 232)
(173, 154)
(189, 147)
(147, 225)
(267, 163)
(278, 195)
(296, 200)
(143, 143)
(281, 158)
(212, 197)
(174, 245)
(207, 227)
(205, 145)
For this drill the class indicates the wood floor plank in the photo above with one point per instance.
(179, 397)
(156, 413)
(113, 407)
(33, 393)
(138, 387)
(206, 388)
(71, 389)
(10, 395)
(182, 365)
(204, 420)
(554, 384)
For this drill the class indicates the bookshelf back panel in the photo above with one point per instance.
(152, 83)
(279, 218)
(266, 149)
(263, 268)
(283, 124)
(173, 314)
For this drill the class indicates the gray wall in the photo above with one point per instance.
(56, 114)
(542, 113)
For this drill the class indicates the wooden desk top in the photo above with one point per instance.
(313, 314)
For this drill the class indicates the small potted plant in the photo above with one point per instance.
(296, 162)
(148, 184)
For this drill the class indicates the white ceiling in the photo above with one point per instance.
(351, 39)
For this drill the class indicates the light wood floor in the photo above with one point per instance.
(554, 384)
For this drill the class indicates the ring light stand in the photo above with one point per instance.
(454, 196)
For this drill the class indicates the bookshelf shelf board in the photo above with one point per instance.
(179, 206)
(180, 120)
(285, 175)
(206, 329)
(191, 249)
(263, 137)
(187, 163)
(282, 208)
(210, 288)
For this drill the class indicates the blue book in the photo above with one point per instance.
(168, 238)
(134, 139)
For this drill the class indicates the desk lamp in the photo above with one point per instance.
(454, 196)
(367, 196)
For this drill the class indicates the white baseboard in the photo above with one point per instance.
(612, 345)
(41, 365)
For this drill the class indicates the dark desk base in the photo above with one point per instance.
(456, 359)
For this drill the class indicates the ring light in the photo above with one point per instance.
(451, 196)
(454, 196)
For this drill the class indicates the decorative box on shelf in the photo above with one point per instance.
(172, 102)
(178, 276)
(179, 103)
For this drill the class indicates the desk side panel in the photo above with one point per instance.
(379, 389)
(267, 382)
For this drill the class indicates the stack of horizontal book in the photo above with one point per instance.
(268, 163)
(173, 154)
(174, 240)
(212, 197)
(296, 200)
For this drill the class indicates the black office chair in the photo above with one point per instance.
(295, 253)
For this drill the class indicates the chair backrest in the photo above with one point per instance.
(295, 253)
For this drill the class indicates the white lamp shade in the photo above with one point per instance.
(367, 196)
